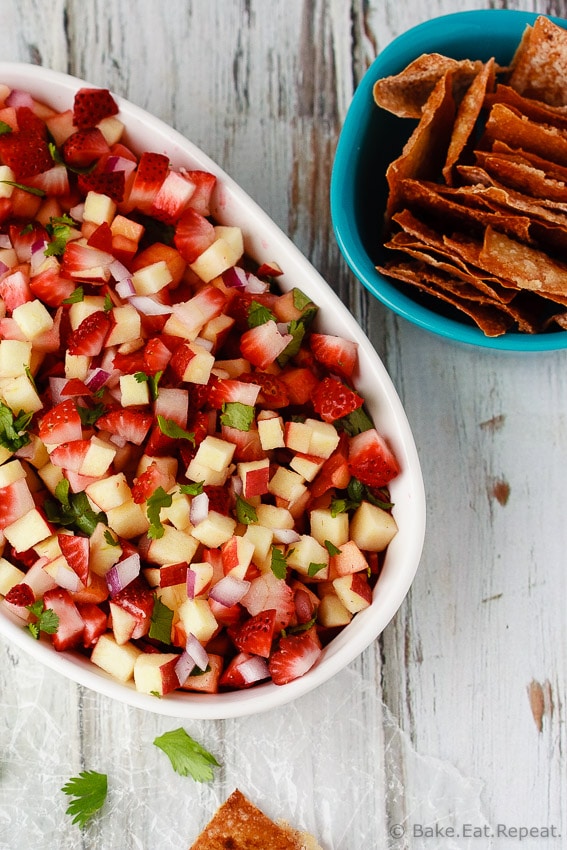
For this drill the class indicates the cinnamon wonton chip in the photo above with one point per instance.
(539, 67)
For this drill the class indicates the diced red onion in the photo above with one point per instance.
(4, 268)
(125, 288)
(18, 98)
(283, 328)
(37, 255)
(236, 484)
(118, 440)
(190, 583)
(146, 305)
(5, 241)
(286, 535)
(199, 508)
(96, 378)
(77, 212)
(119, 271)
(183, 667)
(254, 669)
(56, 386)
(197, 652)
(205, 343)
(234, 277)
(229, 590)
(122, 573)
(255, 286)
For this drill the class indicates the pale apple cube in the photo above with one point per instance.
(133, 393)
(306, 465)
(112, 129)
(307, 552)
(215, 453)
(109, 492)
(214, 530)
(151, 279)
(19, 394)
(198, 619)
(51, 475)
(298, 436)
(77, 366)
(324, 438)
(324, 526)
(9, 576)
(215, 329)
(9, 257)
(34, 453)
(199, 472)
(234, 368)
(254, 475)
(7, 179)
(154, 673)
(179, 512)
(48, 548)
(287, 484)
(203, 576)
(98, 458)
(26, 531)
(353, 591)
(175, 326)
(98, 208)
(33, 318)
(79, 310)
(349, 560)
(237, 554)
(261, 538)
(172, 547)
(331, 612)
(63, 575)
(166, 464)
(15, 357)
(173, 596)
(117, 660)
(216, 259)
(372, 528)
(10, 472)
(199, 367)
(272, 517)
(103, 554)
(5, 454)
(232, 235)
(128, 520)
(127, 325)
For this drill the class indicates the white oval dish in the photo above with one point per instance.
(265, 242)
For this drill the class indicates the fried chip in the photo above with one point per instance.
(467, 115)
(507, 125)
(539, 66)
(523, 177)
(535, 110)
(405, 94)
(527, 267)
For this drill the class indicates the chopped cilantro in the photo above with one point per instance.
(278, 563)
(158, 500)
(355, 423)
(300, 299)
(46, 619)
(161, 620)
(331, 548)
(171, 429)
(72, 510)
(237, 415)
(187, 757)
(194, 489)
(108, 305)
(75, 297)
(313, 569)
(5, 128)
(13, 429)
(32, 190)
(59, 228)
(110, 539)
(245, 512)
(89, 415)
(297, 329)
(89, 789)
(259, 315)
(151, 380)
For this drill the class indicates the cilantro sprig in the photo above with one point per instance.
(13, 429)
(72, 510)
(171, 429)
(160, 622)
(245, 512)
(89, 789)
(158, 500)
(46, 620)
(278, 563)
(59, 229)
(237, 415)
(151, 380)
(187, 757)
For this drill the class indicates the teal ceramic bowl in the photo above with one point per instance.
(371, 138)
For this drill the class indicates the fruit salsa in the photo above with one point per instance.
(192, 493)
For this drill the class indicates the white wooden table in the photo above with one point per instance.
(456, 715)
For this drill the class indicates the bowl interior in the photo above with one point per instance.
(371, 138)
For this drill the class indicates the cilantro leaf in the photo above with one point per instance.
(300, 299)
(161, 620)
(46, 619)
(171, 429)
(59, 228)
(187, 757)
(158, 500)
(259, 315)
(112, 541)
(89, 415)
(13, 433)
(245, 512)
(278, 563)
(194, 489)
(32, 190)
(237, 415)
(89, 789)
(313, 569)
(297, 329)
(108, 305)
(72, 510)
(75, 297)
(5, 128)
(355, 423)
(151, 380)
(331, 548)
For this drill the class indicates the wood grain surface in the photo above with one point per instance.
(456, 715)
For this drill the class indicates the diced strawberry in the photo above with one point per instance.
(219, 498)
(21, 595)
(263, 344)
(95, 620)
(156, 356)
(339, 355)
(71, 626)
(156, 252)
(256, 634)
(15, 290)
(268, 592)
(84, 147)
(204, 183)
(75, 387)
(25, 152)
(138, 600)
(70, 456)
(335, 472)
(84, 262)
(92, 105)
(28, 120)
(132, 425)
(193, 235)
(75, 550)
(150, 174)
(295, 655)
(111, 183)
(61, 424)
(89, 337)
(332, 400)
(50, 287)
(101, 238)
(248, 444)
(300, 384)
(273, 390)
(54, 181)
(230, 390)
(148, 482)
(371, 460)
(172, 197)
(130, 363)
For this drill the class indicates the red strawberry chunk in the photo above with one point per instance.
(70, 455)
(75, 550)
(84, 262)
(148, 482)
(337, 354)
(92, 105)
(150, 174)
(61, 424)
(204, 183)
(50, 287)
(132, 425)
(138, 600)
(15, 290)
(256, 634)
(21, 595)
(371, 460)
(268, 592)
(89, 337)
(15, 501)
(263, 344)
(295, 655)
(332, 400)
(25, 152)
(111, 183)
(84, 147)
(273, 390)
(193, 235)
(71, 626)
(95, 620)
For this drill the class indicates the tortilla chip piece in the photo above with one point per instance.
(523, 177)
(537, 111)
(405, 94)
(506, 125)
(552, 169)
(239, 825)
(527, 267)
(467, 116)
(539, 66)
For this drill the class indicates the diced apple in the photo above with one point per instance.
(15, 357)
(173, 546)
(98, 208)
(103, 554)
(297, 436)
(217, 258)
(79, 310)
(306, 465)
(215, 453)
(354, 591)
(173, 596)
(331, 612)
(118, 660)
(151, 279)
(28, 530)
(348, 560)
(32, 318)
(307, 556)
(98, 458)
(214, 530)
(127, 325)
(198, 619)
(199, 472)
(133, 393)
(179, 512)
(193, 363)
(9, 576)
(128, 520)
(154, 673)
(207, 682)
(109, 492)
(326, 526)
(324, 438)
(51, 475)
(19, 394)
(287, 484)
(261, 538)
(255, 475)
(237, 556)
(372, 528)
(204, 572)
(10, 472)
(274, 517)
(76, 366)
